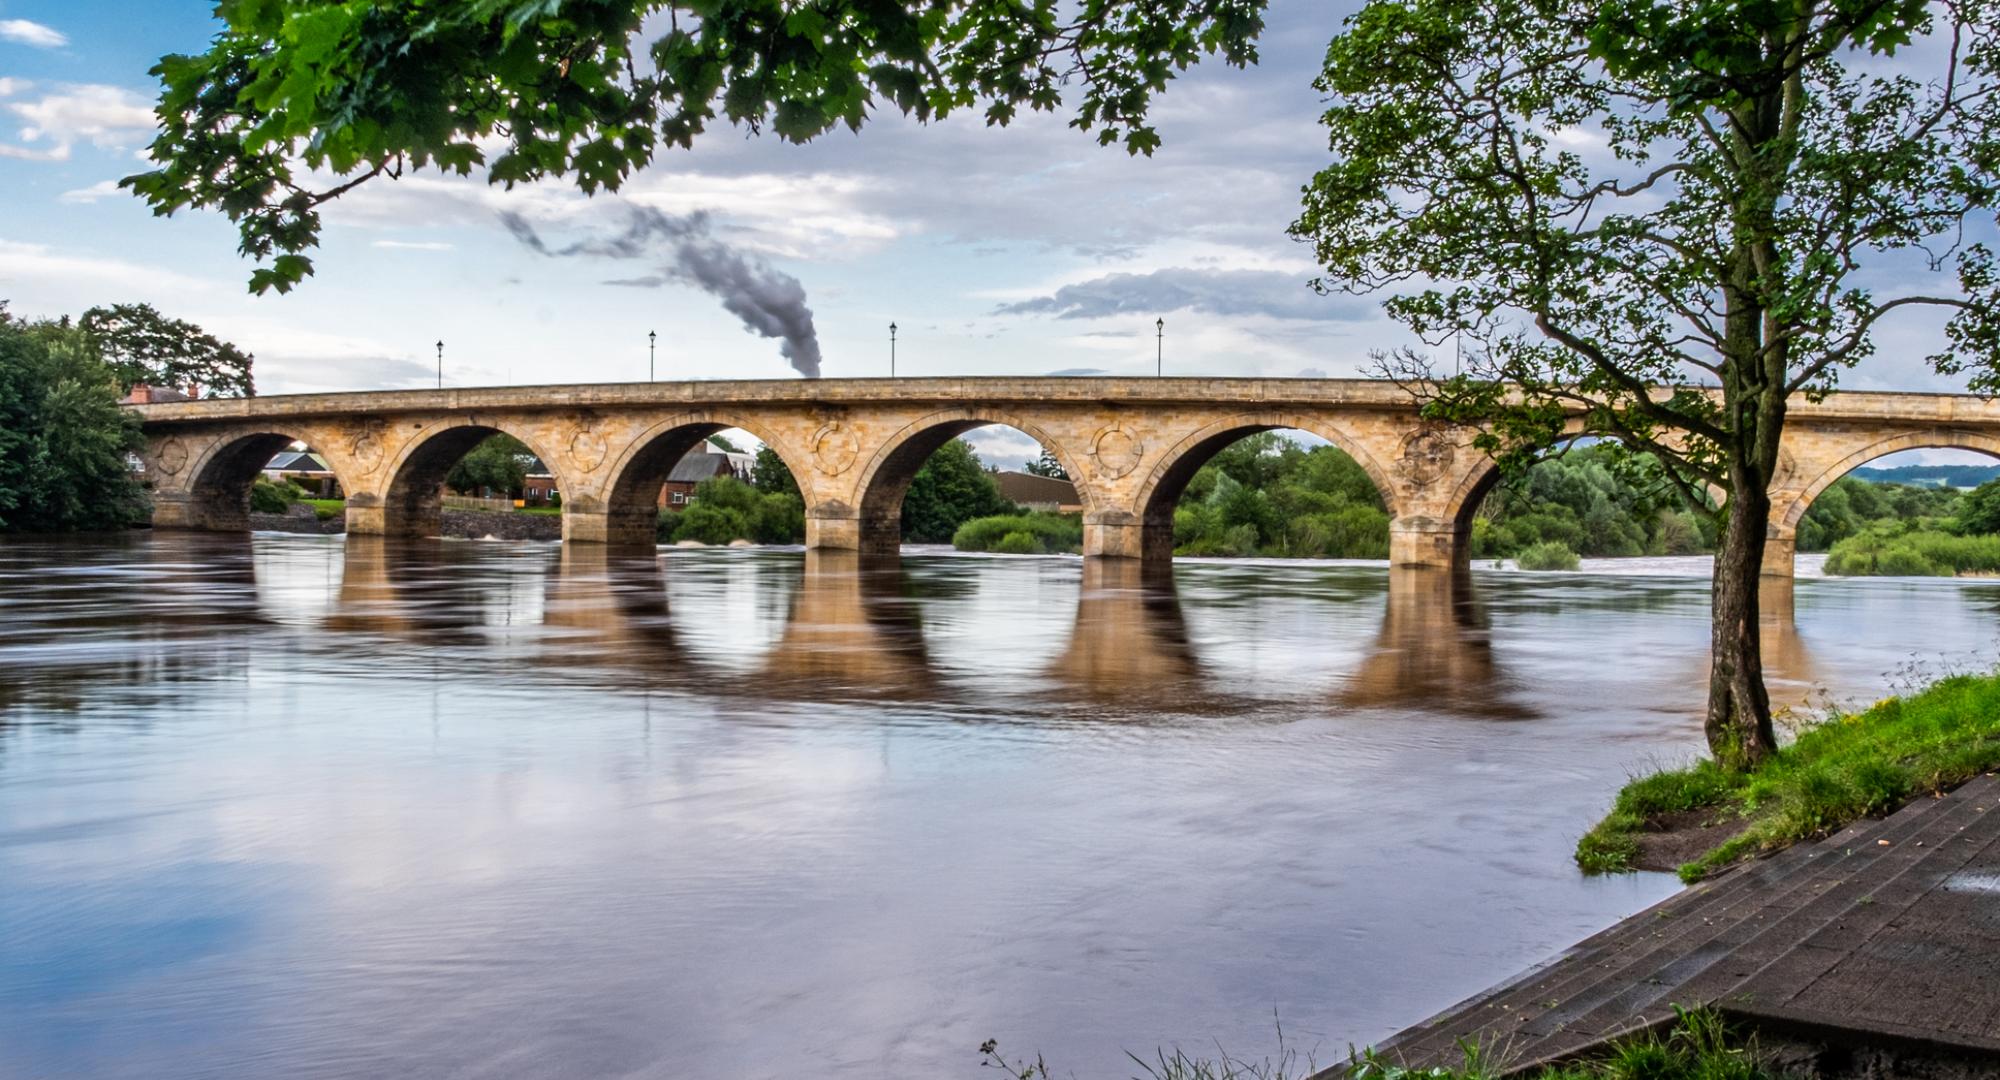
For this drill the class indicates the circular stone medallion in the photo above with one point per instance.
(588, 449)
(172, 456)
(1427, 453)
(834, 449)
(1117, 451)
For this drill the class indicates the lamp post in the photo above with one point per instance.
(440, 363)
(652, 341)
(892, 350)
(1159, 347)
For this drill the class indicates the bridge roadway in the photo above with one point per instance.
(1129, 444)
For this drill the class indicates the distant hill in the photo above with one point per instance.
(1957, 476)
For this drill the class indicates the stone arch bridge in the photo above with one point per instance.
(1130, 445)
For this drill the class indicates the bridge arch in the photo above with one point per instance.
(1160, 493)
(1785, 520)
(634, 478)
(220, 477)
(412, 500)
(886, 478)
(1806, 477)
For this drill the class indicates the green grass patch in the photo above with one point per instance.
(1846, 767)
(540, 511)
(1700, 1046)
(326, 509)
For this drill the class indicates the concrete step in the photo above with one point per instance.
(1621, 978)
(1714, 968)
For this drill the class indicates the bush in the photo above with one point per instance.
(1356, 532)
(1921, 551)
(1548, 555)
(269, 498)
(709, 525)
(1049, 532)
(1018, 543)
(732, 510)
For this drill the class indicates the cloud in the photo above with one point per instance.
(105, 116)
(321, 374)
(9, 87)
(1002, 446)
(45, 266)
(413, 245)
(31, 33)
(1069, 372)
(770, 302)
(1210, 292)
(103, 189)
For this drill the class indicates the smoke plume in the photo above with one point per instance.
(770, 302)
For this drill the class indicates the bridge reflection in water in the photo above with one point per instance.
(1109, 640)
(854, 630)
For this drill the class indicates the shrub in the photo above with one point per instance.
(1018, 543)
(1902, 561)
(709, 524)
(1547, 555)
(1901, 551)
(1356, 532)
(269, 498)
(1050, 532)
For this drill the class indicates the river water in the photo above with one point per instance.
(314, 807)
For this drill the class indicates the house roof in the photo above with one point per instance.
(297, 461)
(1023, 487)
(701, 465)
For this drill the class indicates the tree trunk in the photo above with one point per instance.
(1739, 711)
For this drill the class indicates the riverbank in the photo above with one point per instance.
(1701, 818)
(1863, 955)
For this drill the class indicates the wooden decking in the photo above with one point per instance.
(1886, 933)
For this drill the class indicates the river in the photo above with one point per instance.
(324, 807)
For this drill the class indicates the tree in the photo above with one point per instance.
(143, 346)
(951, 489)
(770, 475)
(1979, 510)
(1048, 465)
(1658, 212)
(723, 444)
(63, 439)
(496, 464)
(295, 90)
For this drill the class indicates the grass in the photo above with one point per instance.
(326, 509)
(1700, 1046)
(1846, 767)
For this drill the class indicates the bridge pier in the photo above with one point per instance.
(834, 527)
(1117, 535)
(1779, 553)
(1428, 542)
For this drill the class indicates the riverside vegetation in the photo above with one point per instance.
(1846, 766)
(1701, 1045)
(65, 445)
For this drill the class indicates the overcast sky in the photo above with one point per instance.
(1024, 250)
